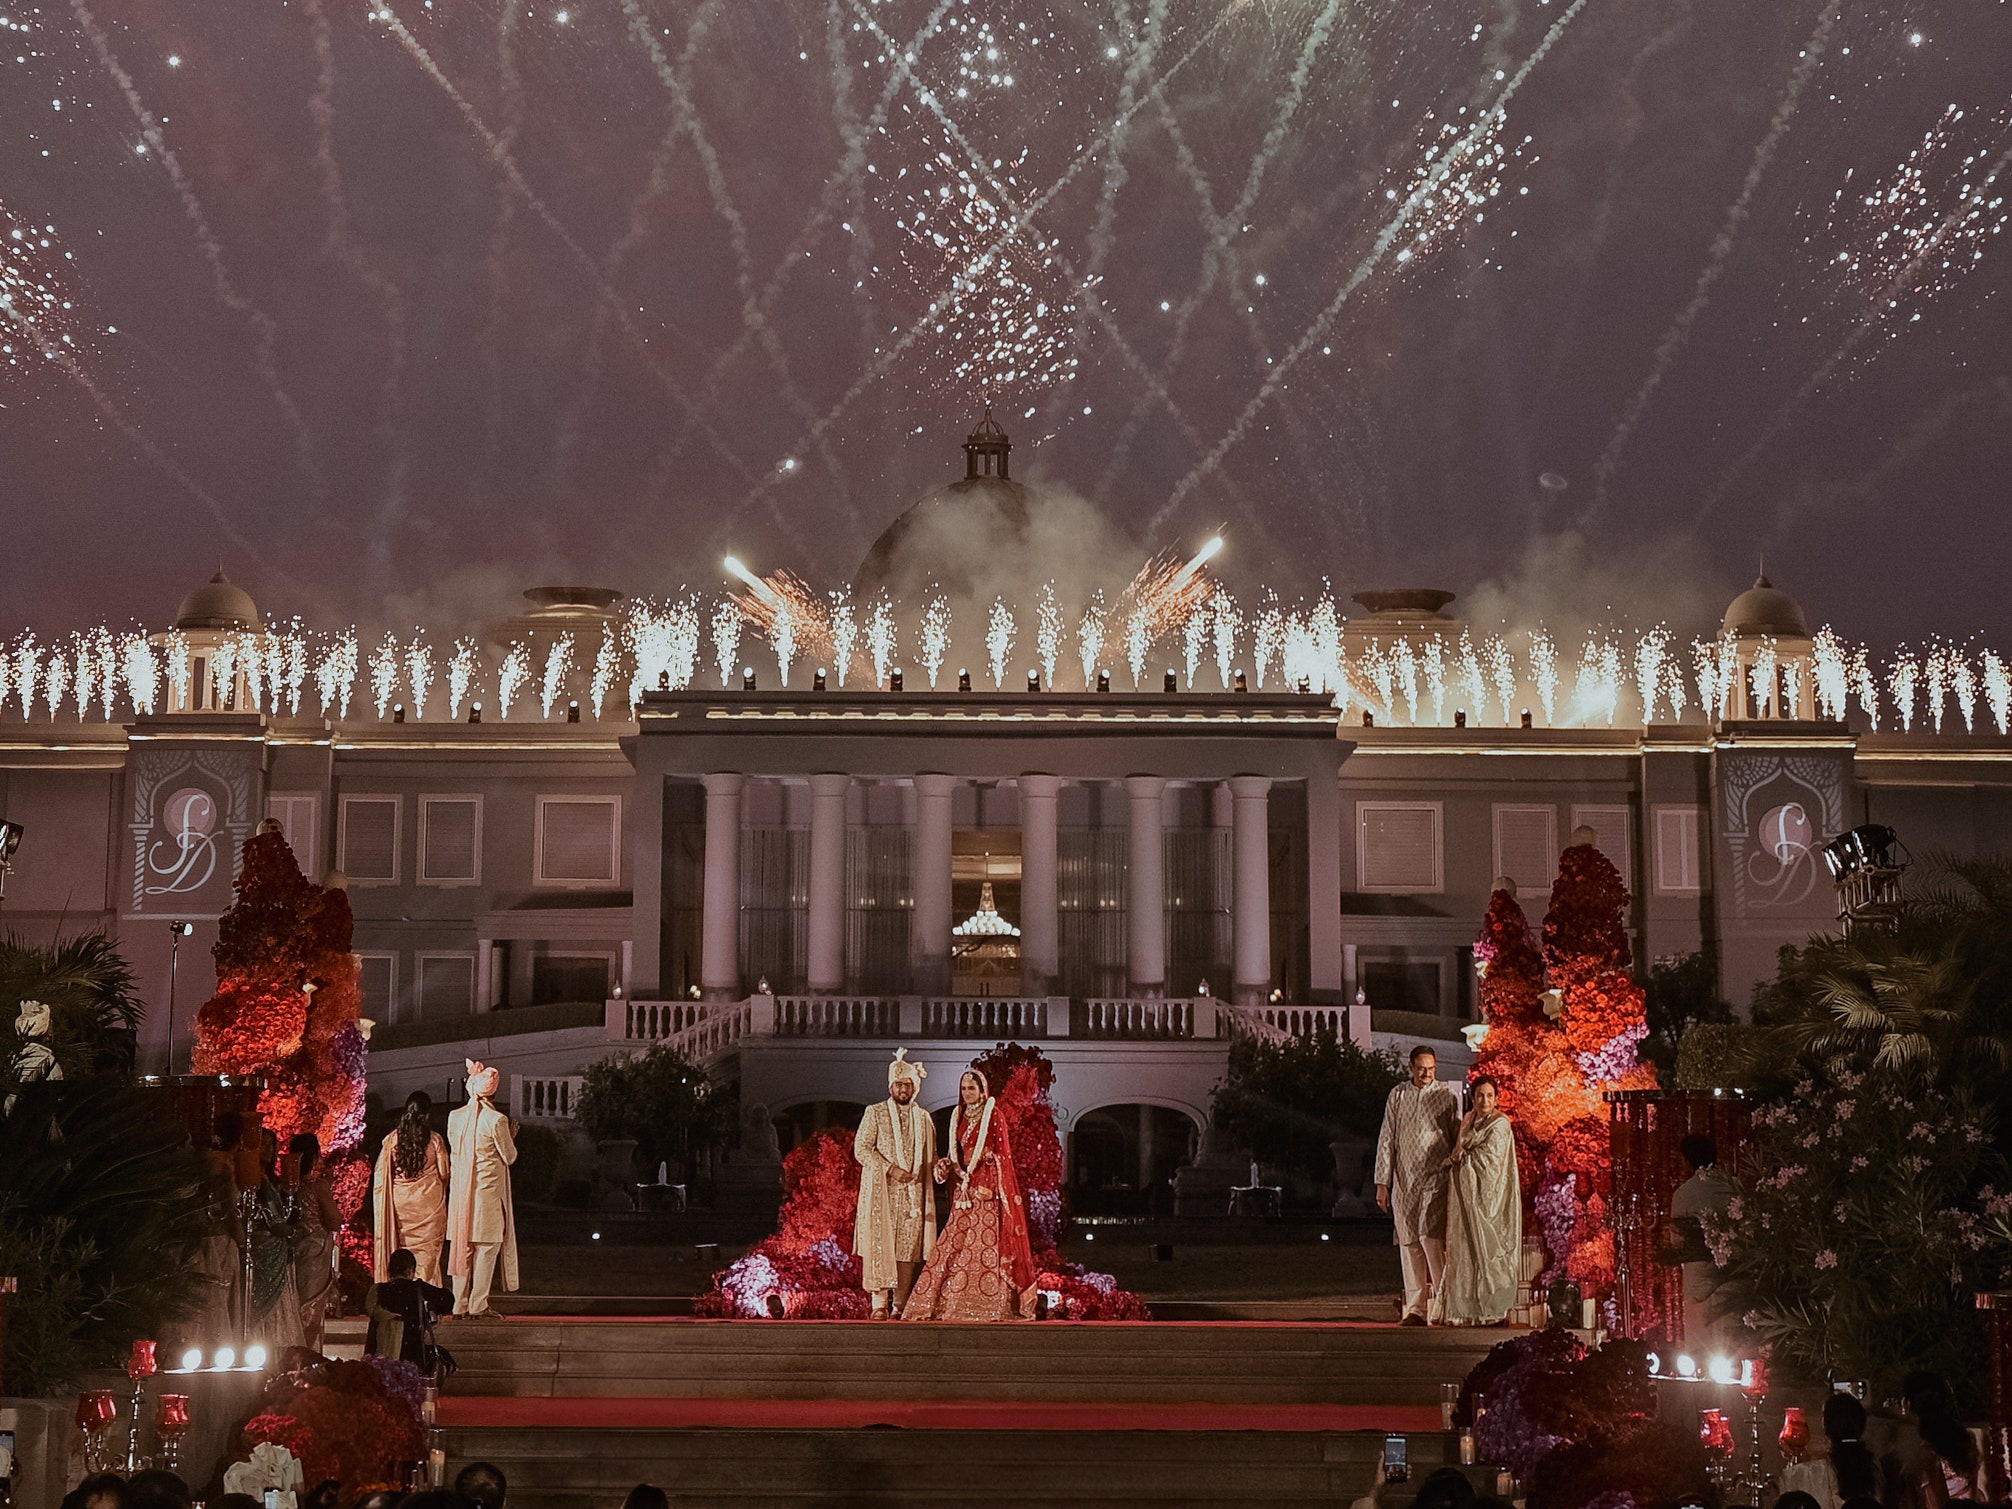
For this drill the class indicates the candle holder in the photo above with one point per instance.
(96, 1413)
(141, 1366)
(436, 1459)
(171, 1423)
(1794, 1438)
(1754, 1476)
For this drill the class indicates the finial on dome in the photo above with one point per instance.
(986, 449)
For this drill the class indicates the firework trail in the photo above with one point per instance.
(1678, 336)
(1138, 65)
(894, 350)
(685, 117)
(1903, 282)
(341, 245)
(1385, 240)
(33, 295)
(507, 165)
(512, 91)
(265, 346)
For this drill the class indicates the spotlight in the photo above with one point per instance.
(963, 681)
(1721, 1370)
(1655, 1360)
(192, 1359)
(1033, 681)
(1526, 717)
(572, 712)
(1869, 846)
(1089, 1236)
(223, 1359)
(1687, 1366)
(1305, 686)
(1323, 1236)
(10, 840)
(747, 678)
(474, 712)
(1103, 681)
(1459, 717)
(597, 1236)
(894, 679)
(254, 1357)
(1169, 684)
(1368, 718)
(663, 681)
(817, 681)
(1240, 684)
(398, 712)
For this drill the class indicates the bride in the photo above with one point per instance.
(982, 1267)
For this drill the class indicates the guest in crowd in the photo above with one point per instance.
(1795, 1498)
(480, 1222)
(647, 1496)
(895, 1229)
(1853, 1473)
(483, 1483)
(382, 1498)
(409, 1192)
(401, 1310)
(1706, 1193)
(982, 1267)
(103, 1490)
(314, 1250)
(271, 1231)
(1484, 1215)
(1420, 1121)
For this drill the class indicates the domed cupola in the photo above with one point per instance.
(218, 603)
(953, 537)
(1765, 609)
(1766, 633)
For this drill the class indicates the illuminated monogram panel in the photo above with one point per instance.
(1778, 810)
(192, 810)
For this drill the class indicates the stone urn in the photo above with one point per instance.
(1352, 1168)
(615, 1174)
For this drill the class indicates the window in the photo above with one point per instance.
(379, 981)
(1610, 827)
(579, 841)
(1677, 868)
(368, 842)
(294, 812)
(1526, 847)
(450, 840)
(570, 977)
(446, 985)
(1403, 984)
(1397, 847)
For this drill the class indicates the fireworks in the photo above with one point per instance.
(460, 676)
(726, 627)
(1048, 634)
(1090, 637)
(882, 639)
(512, 676)
(1456, 182)
(844, 635)
(999, 632)
(38, 313)
(558, 662)
(935, 636)
(383, 675)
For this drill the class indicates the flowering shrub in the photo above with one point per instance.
(1580, 1427)
(1871, 1212)
(351, 1421)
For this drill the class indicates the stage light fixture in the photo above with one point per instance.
(474, 712)
(572, 712)
(398, 712)
(1103, 681)
(1687, 1366)
(1169, 684)
(1033, 681)
(817, 681)
(1526, 717)
(10, 839)
(1323, 1236)
(192, 1359)
(747, 678)
(1368, 718)
(1240, 684)
(254, 1357)
(1721, 1369)
(223, 1359)
(1655, 1360)
(1869, 846)
(1459, 717)
(963, 681)
(894, 679)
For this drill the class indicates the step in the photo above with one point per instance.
(758, 1468)
(1148, 1362)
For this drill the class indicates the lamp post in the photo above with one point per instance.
(176, 932)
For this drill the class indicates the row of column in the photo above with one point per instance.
(1040, 928)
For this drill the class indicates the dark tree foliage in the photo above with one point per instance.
(1683, 992)
(662, 1100)
(1283, 1104)
(88, 987)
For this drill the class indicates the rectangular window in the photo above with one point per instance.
(1526, 848)
(294, 812)
(1402, 985)
(379, 980)
(579, 840)
(570, 977)
(450, 840)
(1397, 848)
(1610, 825)
(446, 985)
(1677, 867)
(368, 842)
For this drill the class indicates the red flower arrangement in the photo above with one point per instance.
(287, 1001)
(341, 1421)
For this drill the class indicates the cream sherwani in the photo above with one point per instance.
(481, 1225)
(896, 1222)
(1418, 1131)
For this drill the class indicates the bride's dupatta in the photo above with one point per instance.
(991, 1138)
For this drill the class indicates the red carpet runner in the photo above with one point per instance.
(634, 1413)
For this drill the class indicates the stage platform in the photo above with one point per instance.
(578, 1409)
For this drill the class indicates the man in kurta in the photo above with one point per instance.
(481, 1228)
(896, 1227)
(1420, 1120)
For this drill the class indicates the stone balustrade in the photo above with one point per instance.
(536, 1097)
(1155, 1020)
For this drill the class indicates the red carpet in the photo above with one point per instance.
(921, 1414)
(1102, 1325)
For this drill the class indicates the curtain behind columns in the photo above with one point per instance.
(879, 907)
(775, 907)
(1200, 891)
(1090, 904)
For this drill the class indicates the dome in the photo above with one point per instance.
(218, 604)
(1764, 609)
(949, 537)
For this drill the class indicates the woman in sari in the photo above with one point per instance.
(982, 1267)
(314, 1254)
(409, 1194)
(1484, 1216)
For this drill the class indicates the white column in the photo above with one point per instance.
(1040, 928)
(825, 942)
(1251, 896)
(931, 857)
(1146, 919)
(720, 938)
(485, 974)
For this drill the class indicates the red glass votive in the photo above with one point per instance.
(142, 1363)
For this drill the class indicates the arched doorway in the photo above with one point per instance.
(802, 1122)
(1122, 1159)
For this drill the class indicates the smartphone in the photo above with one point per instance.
(1396, 1460)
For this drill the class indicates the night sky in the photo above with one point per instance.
(1575, 307)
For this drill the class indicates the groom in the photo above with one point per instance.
(896, 1226)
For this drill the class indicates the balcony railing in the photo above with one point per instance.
(545, 1097)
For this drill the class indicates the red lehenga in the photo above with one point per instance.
(982, 1268)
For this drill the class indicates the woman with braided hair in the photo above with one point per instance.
(982, 1267)
(409, 1195)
